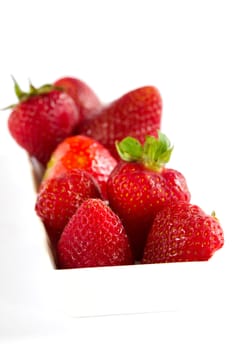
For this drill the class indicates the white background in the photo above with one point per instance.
(184, 49)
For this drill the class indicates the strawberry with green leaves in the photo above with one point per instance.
(94, 236)
(85, 98)
(182, 232)
(136, 113)
(41, 119)
(81, 152)
(140, 185)
(60, 197)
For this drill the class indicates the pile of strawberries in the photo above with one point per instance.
(106, 196)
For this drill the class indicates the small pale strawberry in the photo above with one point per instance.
(85, 98)
(81, 152)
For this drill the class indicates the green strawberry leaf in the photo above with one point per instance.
(154, 154)
(18, 91)
(129, 149)
(33, 91)
(157, 151)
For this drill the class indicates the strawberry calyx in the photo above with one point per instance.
(153, 154)
(214, 216)
(33, 91)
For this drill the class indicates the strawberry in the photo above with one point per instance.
(81, 152)
(137, 113)
(59, 198)
(182, 232)
(140, 185)
(42, 118)
(85, 98)
(94, 236)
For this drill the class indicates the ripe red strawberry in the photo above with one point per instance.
(81, 152)
(137, 114)
(42, 118)
(85, 98)
(94, 236)
(182, 232)
(59, 198)
(140, 185)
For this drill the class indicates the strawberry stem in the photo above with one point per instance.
(154, 154)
